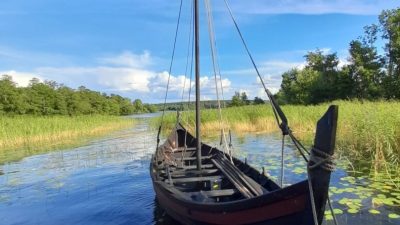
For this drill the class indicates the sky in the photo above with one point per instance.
(125, 46)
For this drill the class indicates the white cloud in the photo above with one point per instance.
(128, 59)
(126, 72)
(343, 62)
(21, 78)
(177, 83)
(356, 7)
(271, 72)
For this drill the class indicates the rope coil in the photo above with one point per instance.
(321, 159)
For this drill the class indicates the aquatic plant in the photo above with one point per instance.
(26, 135)
(366, 130)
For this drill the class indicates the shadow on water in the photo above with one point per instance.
(161, 217)
(108, 182)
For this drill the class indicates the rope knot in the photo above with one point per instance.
(321, 159)
(285, 129)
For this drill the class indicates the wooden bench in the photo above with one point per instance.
(195, 179)
(215, 193)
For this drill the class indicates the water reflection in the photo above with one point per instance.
(107, 182)
(161, 217)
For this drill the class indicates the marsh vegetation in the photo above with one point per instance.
(22, 136)
(366, 130)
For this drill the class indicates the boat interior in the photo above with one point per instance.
(221, 178)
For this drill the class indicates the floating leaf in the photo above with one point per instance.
(393, 216)
(337, 211)
(374, 211)
(299, 170)
(328, 217)
(352, 211)
(381, 196)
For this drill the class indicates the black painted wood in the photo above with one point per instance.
(325, 139)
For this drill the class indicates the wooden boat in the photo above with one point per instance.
(198, 184)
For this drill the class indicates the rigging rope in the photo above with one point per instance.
(278, 113)
(216, 70)
(172, 61)
(282, 159)
(190, 47)
(190, 43)
(276, 110)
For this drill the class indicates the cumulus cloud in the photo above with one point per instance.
(159, 82)
(126, 72)
(271, 72)
(128, 59)
(21, 78)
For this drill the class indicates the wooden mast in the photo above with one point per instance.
(197, 63)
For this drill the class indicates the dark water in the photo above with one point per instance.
(107, 182)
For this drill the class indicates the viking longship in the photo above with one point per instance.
(196, 183)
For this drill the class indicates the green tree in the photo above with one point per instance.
(245, 100)
(43, 98)
(12, 99)
(258, 101)
(313, 84)
(151, 108)
(51, 98)
(390, 27)
(236, 100)
(365, 70)
(138, 106)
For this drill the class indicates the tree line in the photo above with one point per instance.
(367, 75)
(241, 99)
(51, 98)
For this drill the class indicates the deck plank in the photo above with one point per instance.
(215, 193)
(195, 179)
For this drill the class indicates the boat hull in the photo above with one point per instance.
(288, 206)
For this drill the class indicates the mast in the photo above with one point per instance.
(197, 63)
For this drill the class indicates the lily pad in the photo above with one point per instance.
(352, 211)
(374, 211)
(393, 216)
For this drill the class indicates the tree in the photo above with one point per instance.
(236, 100)
(258, 101)
(244, 98)
(12, 99)
(365, 69)
(138, 105)
(239, 99)
(313, 84)
(150, 108)
(390, 27)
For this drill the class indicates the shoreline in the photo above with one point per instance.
(23, 136)
(366, 130)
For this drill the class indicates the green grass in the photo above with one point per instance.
(21, 136)
(366, 130)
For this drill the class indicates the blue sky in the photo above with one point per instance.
(124, 46)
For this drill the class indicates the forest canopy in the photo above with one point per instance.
(367, 75)
(51, 98)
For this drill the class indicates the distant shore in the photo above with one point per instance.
(366, 130)
(21, 136)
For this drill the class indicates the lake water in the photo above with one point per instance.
(107, 182)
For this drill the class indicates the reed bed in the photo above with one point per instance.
(26, 135)
(366, 130)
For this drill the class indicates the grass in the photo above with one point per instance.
(21, 136)
(366, 130)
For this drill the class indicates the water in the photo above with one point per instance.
(108, 182)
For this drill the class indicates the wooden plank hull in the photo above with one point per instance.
(276, 208)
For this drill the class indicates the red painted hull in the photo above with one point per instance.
(276, 208)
